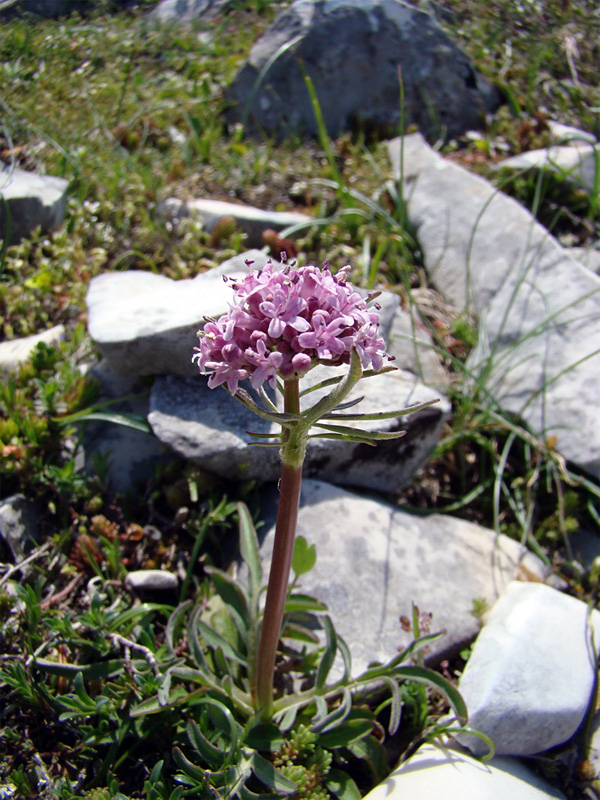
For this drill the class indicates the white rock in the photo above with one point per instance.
(529, 680)
(539, 309)
(19, 525)
(188, 10)
(412, 347)
(374, 561)
(567, 134)
(449, 774)
(146, 324)
(576, 163)
(209, 427)
(250, 220)
(28, 200)
(16, 351)
(588, 256)
(151, 580)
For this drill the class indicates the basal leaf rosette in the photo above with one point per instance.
(285, 321)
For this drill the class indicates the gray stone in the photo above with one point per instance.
(352, 51)
(19, 526)
(146, 324)
(374, 560)
(575, 163)
(436, 772)
(127, 457)
(210, 428)
(539, 309)
(16, 351)
(412, 347)
(250, 220)
(152, 580)
(529, 681)
(27, 201)
(188, 10)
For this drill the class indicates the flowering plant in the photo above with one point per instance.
(283, 323)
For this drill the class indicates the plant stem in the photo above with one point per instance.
(292, 457)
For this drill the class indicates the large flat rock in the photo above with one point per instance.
(539, 309)
(146, 324)
(209, 427)
(374, 561)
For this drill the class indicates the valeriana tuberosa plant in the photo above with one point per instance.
(282, 323)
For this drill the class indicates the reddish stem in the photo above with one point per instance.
(283, 547)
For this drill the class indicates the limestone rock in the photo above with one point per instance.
(16, 351)
(448, 773)
(443, 92)
(250, 220)
(19, 526)
(129, 456)
(146, 324)
(538, 308)
(567, 134)
(413, 349)
(151, 580)
(188, 10)
(529, 680)
(588, 256)
(210, 428)
(27, 201)
(374, 560)
(575, 163)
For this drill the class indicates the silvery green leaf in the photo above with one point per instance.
(381, 414)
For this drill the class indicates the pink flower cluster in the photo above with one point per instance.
(284, 322)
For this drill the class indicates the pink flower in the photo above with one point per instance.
(284, 322)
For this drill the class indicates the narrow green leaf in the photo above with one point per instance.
(357, 432)
(99, 671)
(303, 602)
(191, 770)
(299, 633)
(173, 625)
(329, 655)
(346, 734)
(264, 736)
(436, 681)
(381, 414)
(341, 785)
(212, 755)
(395, 703)
(216, 641)
(336, 716)
(152, 706)
(231, 591)
(343, 438)
(287, 718)
(279, 418)
(249, 548)
(266, 772)
(371, 751)
(346, 658)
